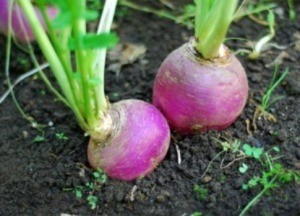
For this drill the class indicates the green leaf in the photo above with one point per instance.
(257, 152)
(78, 193)
(253, 182)
(91, 15)
(271, 18)
(95, 81)
(103, 178)
(62, 20)
(247, 149)
(38, 138)
(276, 149)
(77, 76)
(90, 185)
(93, 41)
(92, 200)
(225, 146)
(197, 214)
(243, 169)
(96, 174)
(244, 186)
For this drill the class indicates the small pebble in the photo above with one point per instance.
(217, 187)
(206, 179)
(119, 195)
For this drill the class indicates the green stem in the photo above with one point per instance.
(212, 24)
(256, 198)
(52, 58)
(209, 164)
(7, 61)
(79, 30)
(62, 51)
(104, 27)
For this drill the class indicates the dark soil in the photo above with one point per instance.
(36, 177)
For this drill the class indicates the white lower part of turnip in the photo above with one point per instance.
(137, 141)
(198, 95)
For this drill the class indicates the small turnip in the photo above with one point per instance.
(20, 27)
(201, 85)
(137, 141)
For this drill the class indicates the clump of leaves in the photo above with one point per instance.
(201, 192)
(90, 188)
(252, 151)
(273, 177)
(61, 136)
(262, 110)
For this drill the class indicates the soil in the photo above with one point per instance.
(37, 178)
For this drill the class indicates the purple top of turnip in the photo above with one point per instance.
(20, 27)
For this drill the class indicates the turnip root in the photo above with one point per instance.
(136, 140)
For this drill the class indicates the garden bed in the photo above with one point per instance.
(41, 168)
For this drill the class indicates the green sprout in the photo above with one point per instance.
(38, 138)
(90, 188)
(201, 192)
(243, 169)
(78, 191)
(232, 147)
(92, 201)
(259, 46)
(266, 103)
(61, 136)
(252, 151)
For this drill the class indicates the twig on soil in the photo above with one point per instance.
(21, 78)
(232, 162)
(208, 166)
(132, 193)
(177, 150)
(248, 127)
(178, 153)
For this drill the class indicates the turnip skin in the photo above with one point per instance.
(138, 143)
(21, 28)
(200, 95)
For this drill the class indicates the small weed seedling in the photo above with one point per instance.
(227, 147)
(272, 177)
(201, 195)
(90, 188)
(262, 110)
(201, 192)
(61, 136)
(261, 44)
(266, 103)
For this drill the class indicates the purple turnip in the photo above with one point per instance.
(201, 85)
(20, 27)
(137, 141)
(128, 139)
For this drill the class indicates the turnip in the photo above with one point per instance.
(20, 27)
(201, 85)
(128, 139)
